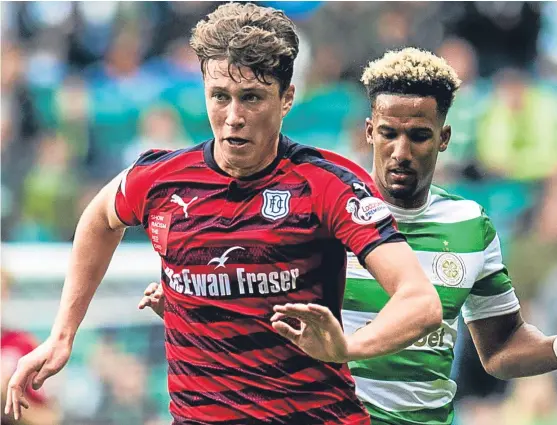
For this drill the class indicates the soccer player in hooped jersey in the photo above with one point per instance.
(410, 93)
(242, 223)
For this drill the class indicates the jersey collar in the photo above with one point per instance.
(409, 213)
(208, 154)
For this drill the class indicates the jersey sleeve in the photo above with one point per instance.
(353, 215)
(492, 294)
(134, 186)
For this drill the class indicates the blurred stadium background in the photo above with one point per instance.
(87, 86)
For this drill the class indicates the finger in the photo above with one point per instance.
(301, 312)
(321, 310)
(18, 382)
(285, 307)
(8, 407)
(16, 407)
(159, 290)
(287, 331)
(277, 316)
(290, 307)
(21, 401)
(44, 373)
(24, 402)
(145, 301)
(152, 287)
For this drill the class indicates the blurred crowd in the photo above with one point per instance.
(87, 86)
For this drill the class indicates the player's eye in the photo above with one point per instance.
(220, 97)
(420, 137)
(388, 135)
(251, 98)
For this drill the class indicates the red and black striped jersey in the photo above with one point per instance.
(231, 249)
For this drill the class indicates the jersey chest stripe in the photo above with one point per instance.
(465, 236)
(369, 296)
(323, 410)
(405, 396)
(443, 415)
(409, 365)
(315, 389)
(185, 382)
(244, 222)
(256, 252)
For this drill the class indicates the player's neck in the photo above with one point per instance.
(244, 171)
(406, 204)
(415, 202)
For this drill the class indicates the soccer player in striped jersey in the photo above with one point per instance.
(243, 222)
(410, 92)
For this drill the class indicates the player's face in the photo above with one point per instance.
(407, 135)
(246, 117)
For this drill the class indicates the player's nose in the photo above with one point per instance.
(235, 115)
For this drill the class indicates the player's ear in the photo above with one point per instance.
(369, 131)
(288, 99)
(445, 138)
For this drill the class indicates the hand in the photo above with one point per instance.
(154, 298)
(320, 335)
(43, 362)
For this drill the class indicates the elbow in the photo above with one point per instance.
(432, 313)
(495, 367)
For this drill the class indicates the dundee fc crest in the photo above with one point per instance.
(276, 204)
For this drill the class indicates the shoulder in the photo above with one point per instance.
(326, 165)
(452, 209)
(161, 156)
(449, 203)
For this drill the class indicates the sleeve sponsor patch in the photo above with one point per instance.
(367, 210)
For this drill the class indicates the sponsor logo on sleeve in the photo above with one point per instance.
(367, 210)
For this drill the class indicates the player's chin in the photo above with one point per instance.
(401, 191)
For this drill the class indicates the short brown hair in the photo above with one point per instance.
(414, 72)
(260, 38)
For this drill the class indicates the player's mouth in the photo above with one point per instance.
(236, 141)
(401, 175)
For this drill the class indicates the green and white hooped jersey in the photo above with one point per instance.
(459, 250)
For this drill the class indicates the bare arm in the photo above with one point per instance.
(511, 348)
(98, 233)
(413, 311)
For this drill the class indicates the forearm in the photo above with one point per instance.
(94, 245)
(407, 317)
(527, 352)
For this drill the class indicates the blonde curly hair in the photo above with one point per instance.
(412, 71)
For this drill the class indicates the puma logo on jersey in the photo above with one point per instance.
(360, 186)
(177, 200)
(221, 261)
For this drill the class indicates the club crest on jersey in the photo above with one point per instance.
(367, 210)
(276, 204)
(449, 268)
